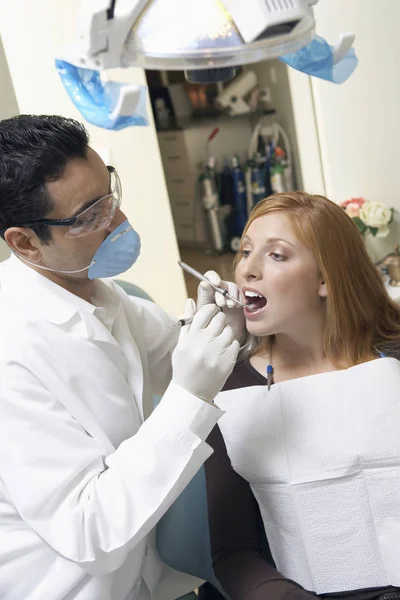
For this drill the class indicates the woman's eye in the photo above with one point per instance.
(278, 257)
(244, 253)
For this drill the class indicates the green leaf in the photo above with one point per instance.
(391, 218)
(373, 230)
(361, 226)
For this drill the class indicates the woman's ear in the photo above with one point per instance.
(322, 291)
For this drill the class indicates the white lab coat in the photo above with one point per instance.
(85, 472)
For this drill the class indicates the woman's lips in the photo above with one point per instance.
(255, 303)
(252, 314)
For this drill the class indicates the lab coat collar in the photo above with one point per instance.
(46, 299)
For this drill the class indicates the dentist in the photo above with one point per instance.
(87, 468)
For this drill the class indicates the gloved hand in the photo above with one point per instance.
(206, 352)
(234, 314)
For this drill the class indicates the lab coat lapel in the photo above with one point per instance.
(123, 334)
(147, 402)
(96, 331)
(136, 347)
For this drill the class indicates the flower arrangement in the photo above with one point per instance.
(370, 217)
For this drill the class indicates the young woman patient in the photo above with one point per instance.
(311, 435)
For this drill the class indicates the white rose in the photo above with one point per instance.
(382, 231)
(374, 214)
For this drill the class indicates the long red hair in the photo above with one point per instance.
(360, 317)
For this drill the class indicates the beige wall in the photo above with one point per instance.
(8, 100)
(358, 122)
(32, 32)
(8, 108)
(307, 132)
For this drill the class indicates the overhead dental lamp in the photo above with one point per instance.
(207, 39)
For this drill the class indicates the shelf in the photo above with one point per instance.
(213, 121)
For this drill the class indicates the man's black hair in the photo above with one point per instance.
(34, 149)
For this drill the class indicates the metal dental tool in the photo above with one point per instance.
(198, 275)
(183, 322)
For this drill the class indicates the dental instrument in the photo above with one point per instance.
(201, 277)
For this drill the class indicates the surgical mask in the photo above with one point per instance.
(119, 251)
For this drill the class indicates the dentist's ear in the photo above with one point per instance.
(23, 241)
(323, 291)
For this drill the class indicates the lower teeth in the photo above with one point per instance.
(253, 307)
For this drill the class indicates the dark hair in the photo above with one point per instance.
(35, 149)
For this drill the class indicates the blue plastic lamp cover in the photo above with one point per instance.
(316, 59)
(96, 100)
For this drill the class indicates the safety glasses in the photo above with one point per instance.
(94, 218)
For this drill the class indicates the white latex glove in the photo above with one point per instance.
(206, 352)
(234, 314)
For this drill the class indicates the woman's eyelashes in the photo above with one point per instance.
(244, 253)
(276, 256)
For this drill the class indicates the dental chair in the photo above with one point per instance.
(182, 534)
(132, 290)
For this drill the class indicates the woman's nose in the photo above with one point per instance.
(252, 268)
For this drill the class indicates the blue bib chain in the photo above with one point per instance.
(270, 372)
(270, 368)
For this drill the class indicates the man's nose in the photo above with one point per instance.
(118, 218)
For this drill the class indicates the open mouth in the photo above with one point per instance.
(254, 301)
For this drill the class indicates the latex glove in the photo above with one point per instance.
(206, 352)
(234, 314)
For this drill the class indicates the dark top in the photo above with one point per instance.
(241, 558)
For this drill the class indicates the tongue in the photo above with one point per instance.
(256, 303)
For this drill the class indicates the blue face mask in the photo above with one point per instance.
(118, 252)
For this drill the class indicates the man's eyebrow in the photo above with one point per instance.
(90, 203)
(85, 206)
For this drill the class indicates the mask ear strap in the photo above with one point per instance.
(53, 270)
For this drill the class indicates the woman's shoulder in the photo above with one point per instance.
(243, 375)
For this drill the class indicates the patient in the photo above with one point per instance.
(311, 435)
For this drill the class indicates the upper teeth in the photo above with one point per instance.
(253, 294)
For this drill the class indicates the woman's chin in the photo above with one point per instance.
(258, 328)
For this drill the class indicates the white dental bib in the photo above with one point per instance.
(322, 456)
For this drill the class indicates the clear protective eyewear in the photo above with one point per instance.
(94, 218)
